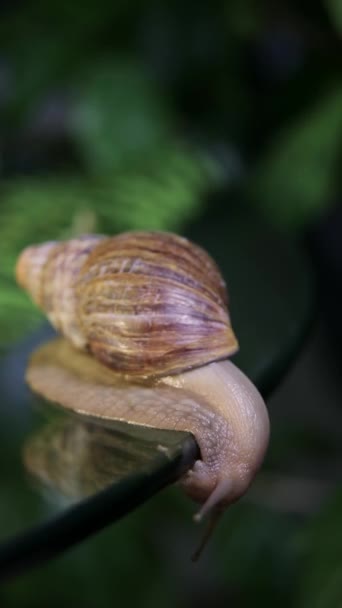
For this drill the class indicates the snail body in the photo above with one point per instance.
(152, 307)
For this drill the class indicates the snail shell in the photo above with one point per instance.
(143, 303)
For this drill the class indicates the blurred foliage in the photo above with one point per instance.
(125, 115)
(296, 177)
(161, 194)
(118, 116)
(120, 83)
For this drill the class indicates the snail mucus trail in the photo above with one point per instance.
(149, 311)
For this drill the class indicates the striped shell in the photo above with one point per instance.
(143, 303)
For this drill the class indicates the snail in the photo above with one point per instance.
(151, 308)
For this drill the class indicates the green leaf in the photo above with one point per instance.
(33, 211)
(119, 116)
(297, 176)
(161, 193)
(17, 315)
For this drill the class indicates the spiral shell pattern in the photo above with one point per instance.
(144, 303)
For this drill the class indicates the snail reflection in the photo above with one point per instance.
(75, 457)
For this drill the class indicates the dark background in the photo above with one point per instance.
(131, 115)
